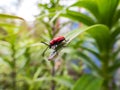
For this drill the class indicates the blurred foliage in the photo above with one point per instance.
(104, 12)
(22, 65)
(86, 82)
(24, 68)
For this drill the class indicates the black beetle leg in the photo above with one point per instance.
(44, 52)
(66, 40)
(64, 46)
(45, 43)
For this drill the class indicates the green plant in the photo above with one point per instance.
(8, 42)
(23, 67)
(105, 12)
(52, 11)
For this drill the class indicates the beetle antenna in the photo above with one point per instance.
(44, 51)
(45, 43)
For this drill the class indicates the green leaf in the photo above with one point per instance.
(55, 17)
(89, 62)
(37, 73)
(88, 82)
(89, 5)
(7, 61)
(43, 6)
(116, 17)
(99, 32)
(8, 25)
(106, 10)
(102, 36)
(114, 67)
(116, 32)
(64, 80)
(6, 16)
(91, 51)
(77, 16)
(45, 15)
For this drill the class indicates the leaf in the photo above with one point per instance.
(6, 16)
(102, 36)
(91, 51)
(43, 6)
(90, 63)
(64, 80)
(106, 10)
(116, 32)
(88, 82)
(114, 67)
(116, 17)
(89, 5)
(7, 61)
(45, 15)
(77, 16)
(55, 17)
(103, 10)
(7, 25)
(99, 32)
(37, 73)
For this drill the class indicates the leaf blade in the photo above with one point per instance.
(6, 16)
(88, 82)
(89, 5)
(80, 17)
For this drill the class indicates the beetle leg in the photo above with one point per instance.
(64, 46)
(44, 52)
(66, 40)
(45, 43)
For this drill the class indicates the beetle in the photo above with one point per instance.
(54, 43)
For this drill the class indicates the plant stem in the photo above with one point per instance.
(53, 75)
(105, 65)
(14, 68)
(105, 85)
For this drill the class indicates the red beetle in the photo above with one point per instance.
(54, 42)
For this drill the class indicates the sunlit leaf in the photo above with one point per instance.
(7, 25)
(6, 16)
